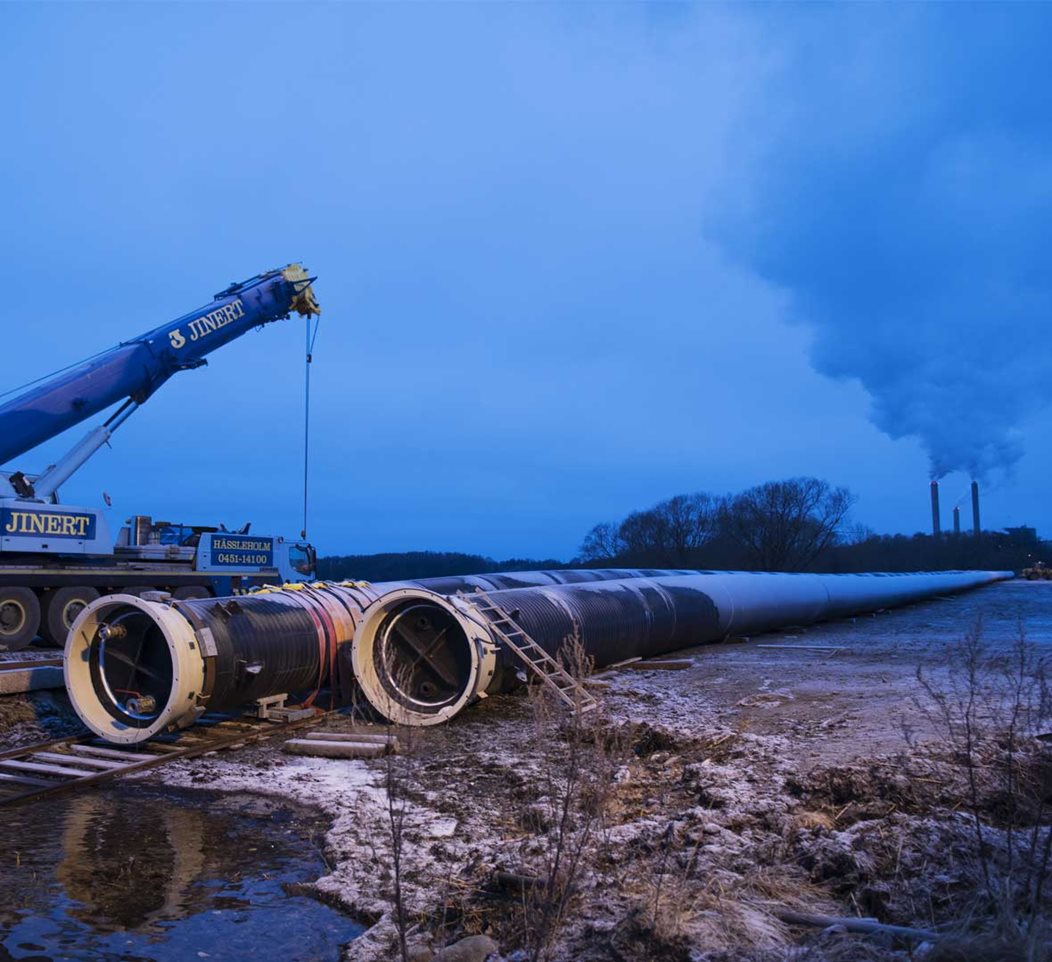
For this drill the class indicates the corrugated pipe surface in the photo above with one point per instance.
(136, 667)
(404, 664)
(501, 580)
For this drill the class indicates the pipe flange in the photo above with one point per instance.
(425, 637)
(109, 711)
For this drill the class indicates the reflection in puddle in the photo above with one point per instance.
(163, 877)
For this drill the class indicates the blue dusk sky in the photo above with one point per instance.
(573, 258)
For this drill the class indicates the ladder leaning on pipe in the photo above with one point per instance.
(536, 660)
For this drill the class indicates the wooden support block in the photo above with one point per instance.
(323, 749)
(286, 715)
(389, 740)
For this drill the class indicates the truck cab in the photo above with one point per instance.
(216, 551)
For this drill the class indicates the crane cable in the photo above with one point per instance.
(310, 339)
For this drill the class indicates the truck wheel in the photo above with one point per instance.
(191, 593)
(19, 618)
(60, 610)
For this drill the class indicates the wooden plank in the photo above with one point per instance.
(666, 664)
(170, 748)
(100, 752)
(82, 760)
(621, 664)
(40, 746)
(867, 926)
(75, 781)
(24, 780)
(12, 764)
(804, 647)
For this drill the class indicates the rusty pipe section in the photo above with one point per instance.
(136, 667)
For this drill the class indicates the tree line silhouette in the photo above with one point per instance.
(798, 524)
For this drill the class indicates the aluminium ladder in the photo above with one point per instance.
(534, 658)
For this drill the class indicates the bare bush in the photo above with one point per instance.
(989, 707)
(401, 777)
(576, 769)
(603, 543)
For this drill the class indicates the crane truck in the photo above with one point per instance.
(56, 558)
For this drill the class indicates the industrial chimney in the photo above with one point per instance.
(956, 520)
(936, 527)
(976, 529)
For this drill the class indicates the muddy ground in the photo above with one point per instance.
(710, 800)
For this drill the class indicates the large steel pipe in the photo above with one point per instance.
(135, 667)
(398, 666)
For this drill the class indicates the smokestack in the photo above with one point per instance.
(975, 509)
(936, 527)
(956, 520)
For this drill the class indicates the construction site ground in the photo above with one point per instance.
(774, 773)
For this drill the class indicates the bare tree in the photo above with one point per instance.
(602, 543)
(689, 523)
(786, 525)
(644, 535)
(667, 534)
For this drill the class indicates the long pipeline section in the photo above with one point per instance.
(419, 652)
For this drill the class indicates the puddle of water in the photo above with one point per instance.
(146, 875)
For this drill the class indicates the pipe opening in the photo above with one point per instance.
(131, 667)
(423, 658)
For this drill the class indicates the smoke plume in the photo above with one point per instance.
(904, 203)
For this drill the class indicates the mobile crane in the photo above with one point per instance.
(56, 558)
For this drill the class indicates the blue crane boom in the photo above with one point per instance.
(134, 369)
(56, 557)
